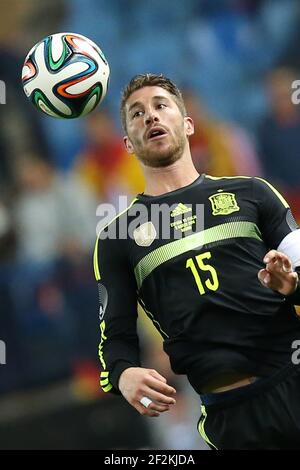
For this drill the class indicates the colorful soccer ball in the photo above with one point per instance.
(65, 75)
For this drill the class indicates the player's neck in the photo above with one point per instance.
(163, 180)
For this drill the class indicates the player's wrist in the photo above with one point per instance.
(118, 370)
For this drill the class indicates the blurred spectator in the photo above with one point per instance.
(7, 235)
(279, 136)
(20, 124)
(231, 43)
(20, 128)
(52, 285)
(219, 148)
(104, 163)
(55, 214)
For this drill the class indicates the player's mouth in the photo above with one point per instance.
(156, 133)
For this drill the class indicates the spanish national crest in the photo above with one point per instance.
(223, 203)
(145, 234)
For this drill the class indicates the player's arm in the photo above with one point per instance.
(279, 230)
(119, 345)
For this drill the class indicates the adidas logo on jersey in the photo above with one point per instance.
(180, 209)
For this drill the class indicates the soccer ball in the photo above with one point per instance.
(65, 75)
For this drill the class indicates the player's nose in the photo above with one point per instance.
(151, 117)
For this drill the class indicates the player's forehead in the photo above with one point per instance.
(147, 94)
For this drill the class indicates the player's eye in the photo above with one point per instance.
(161, 105)
(137, 114)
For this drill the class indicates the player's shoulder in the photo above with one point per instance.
(112, 236)
(257, 183)
(114, 221)
(258, 188)
(238, 180)
(267, 192)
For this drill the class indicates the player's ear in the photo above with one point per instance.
(189, 126)
(128, 144)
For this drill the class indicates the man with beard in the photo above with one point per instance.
(221, 290)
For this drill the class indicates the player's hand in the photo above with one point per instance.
(278, 273)
(137, 382)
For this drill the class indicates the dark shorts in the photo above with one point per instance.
(262, 415)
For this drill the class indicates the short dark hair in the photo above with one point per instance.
(150, 79)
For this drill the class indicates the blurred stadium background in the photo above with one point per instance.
(236, 61)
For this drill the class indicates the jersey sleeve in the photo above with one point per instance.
(119, 346)
(276, 220)
(275, 217)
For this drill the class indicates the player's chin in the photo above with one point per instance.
(159, 145)
(160, 156)
(163, 160)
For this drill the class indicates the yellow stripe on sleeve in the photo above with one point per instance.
(280, 197)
